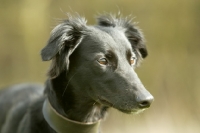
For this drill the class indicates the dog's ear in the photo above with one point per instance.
(64, 39)
(136, 38)
(133, 33)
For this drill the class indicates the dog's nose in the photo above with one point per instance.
(146, 102)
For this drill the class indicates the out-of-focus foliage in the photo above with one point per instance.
(171, 72)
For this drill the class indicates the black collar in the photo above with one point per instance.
(63, 125)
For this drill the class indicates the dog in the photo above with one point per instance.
(92, 70)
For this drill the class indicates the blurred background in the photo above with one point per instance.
(171, 72)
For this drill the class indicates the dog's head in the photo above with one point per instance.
(100, 60)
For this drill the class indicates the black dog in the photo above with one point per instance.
(92, 69)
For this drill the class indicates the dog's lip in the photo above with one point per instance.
(104, 101)
(109, 104)
(129, 111)
(126, 111)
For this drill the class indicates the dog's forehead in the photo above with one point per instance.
(107, 38)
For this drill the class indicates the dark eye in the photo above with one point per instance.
(103, 61)
(133, 60)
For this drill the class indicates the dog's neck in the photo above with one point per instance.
(72, 103)
(61, 124)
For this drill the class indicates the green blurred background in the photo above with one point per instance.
(171, 72)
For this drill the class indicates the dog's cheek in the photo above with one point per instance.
(97, 69)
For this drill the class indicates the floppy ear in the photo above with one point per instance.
(136, 39)
(133, 33)
(63, 41)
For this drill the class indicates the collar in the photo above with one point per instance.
(62, 124)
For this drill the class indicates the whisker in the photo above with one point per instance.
(94, 103)
(68, 83)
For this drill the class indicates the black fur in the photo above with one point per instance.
(92, 70)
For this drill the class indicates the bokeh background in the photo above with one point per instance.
(171, 72)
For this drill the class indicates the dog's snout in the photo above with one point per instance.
(145, 102)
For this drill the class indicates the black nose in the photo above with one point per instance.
(145, 103)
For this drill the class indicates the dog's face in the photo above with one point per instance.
(104, 58)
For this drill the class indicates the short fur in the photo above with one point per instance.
(79, 86)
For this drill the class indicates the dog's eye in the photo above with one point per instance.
(133, 60)
(103, 61)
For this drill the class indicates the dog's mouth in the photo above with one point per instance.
(105, 102)
(134, 111)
